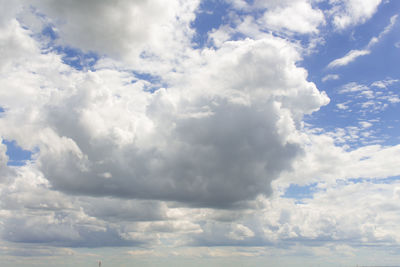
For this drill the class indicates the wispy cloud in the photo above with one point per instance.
(354, 54)
(353, 87)
(330, 77)
(385, 31)
(349, 57)
(384, 83)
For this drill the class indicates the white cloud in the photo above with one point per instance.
(354, 54)
(365, 124)
(240, 232)
(153, 145)
(324, 161)
(171, 123)
(384, 83)
(299, 17)
(338, 213)
(348, 58)
(123, 29)
(385, 31)
(348, 13)
(330, 77)
(342, 106)
(15, 44)
(370, 100)
(353, 87)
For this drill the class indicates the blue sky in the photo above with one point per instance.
(186, 133)
(379, 65)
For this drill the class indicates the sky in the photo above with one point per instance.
(200, 133)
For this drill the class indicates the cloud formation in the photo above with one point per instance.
(117, 28)
(348, 13)
(348, 58)
(107, 138)
(141, 137)
(354, 54)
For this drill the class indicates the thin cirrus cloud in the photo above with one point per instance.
(348, 58)
(354, 54)
(330, 77)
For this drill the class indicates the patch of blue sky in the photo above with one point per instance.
(155, 82)
(211, 14)
(47, 37)
(2, 110)
(48, 31)
(380, 64)
(363, 68)
(76, 58)
(17, 156)
(147, 77)
(388, 180)
(71, 56)
(301, 191)
(322, 5)
(392, 130)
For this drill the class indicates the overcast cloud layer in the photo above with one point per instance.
(171, 139)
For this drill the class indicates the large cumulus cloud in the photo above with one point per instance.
(216, 136)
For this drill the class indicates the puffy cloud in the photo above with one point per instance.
(325, 161)
(292, 16)
(183, 162)
(121, 29)
(355, 213)
(218, 135)
(297, 16)
(348, 13)
(15, 43)
(222, 130)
